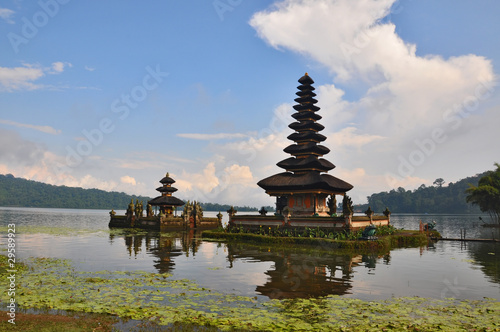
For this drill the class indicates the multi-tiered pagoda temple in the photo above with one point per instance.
(166, 201)
(302, 190)
(304, 187)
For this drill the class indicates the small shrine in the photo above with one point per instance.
(166, 218)
(304, 186)
(166, 202)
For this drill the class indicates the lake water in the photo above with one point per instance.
(445, 269)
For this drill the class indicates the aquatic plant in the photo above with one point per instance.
(158, 298)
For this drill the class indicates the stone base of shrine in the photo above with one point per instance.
(163, 223)
(351, 223)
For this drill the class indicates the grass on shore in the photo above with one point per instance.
(385, 241)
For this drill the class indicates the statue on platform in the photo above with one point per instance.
(137, 209)
(347, 209)
(219, 219)
(192, 209)
(232, 211)
(112, 213)
(332, 205)
(130, 209)
(262, 211)
(370, 213)
(149, 210)
(281, 203)
(141, 210)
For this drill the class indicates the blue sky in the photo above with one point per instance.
(113, 94)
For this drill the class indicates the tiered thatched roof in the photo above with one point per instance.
(304, 168)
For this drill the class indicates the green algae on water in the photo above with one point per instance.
(156, 297)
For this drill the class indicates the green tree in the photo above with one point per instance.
(439, 182)
(486, 194)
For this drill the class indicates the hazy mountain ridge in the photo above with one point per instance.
(19, 192)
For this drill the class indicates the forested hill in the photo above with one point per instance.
(434, 199)
(27, 193)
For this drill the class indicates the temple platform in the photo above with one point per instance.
(352, 223)
(163, 223)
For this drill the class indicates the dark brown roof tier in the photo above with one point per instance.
(166, 189)
(305, 87)
(307, 136)
(166, 200)
(167, 179)
(308, 148)
(306, 107)
(289, 183)
(310, 163)
(306, 100)
(306, 80)
(305, 93)
(306, 115)
(306, 125)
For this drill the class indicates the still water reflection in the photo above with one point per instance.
(445, 269)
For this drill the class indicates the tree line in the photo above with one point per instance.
(428, 199)
(19, 192)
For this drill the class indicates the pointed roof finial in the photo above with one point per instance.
(307, 74)
(167, 174)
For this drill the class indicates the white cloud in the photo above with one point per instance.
(220, 181)
(320, 28)
(20, 78)
(44, 129)
(25, 77)
(58, 67)
(238, 175)
(407, 95)
(88, 68)
(406, 91)
(348, 137)
(203, 182)
(5, 14)
(128, 180)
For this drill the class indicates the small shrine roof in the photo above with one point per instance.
(167, 179)
(166, 200)
(166, 189)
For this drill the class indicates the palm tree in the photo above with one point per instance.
(487, 194)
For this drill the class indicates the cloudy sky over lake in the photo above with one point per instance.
(113, 94)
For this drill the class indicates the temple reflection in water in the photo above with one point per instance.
(293, 273)
(298, 274)
(163, 246)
